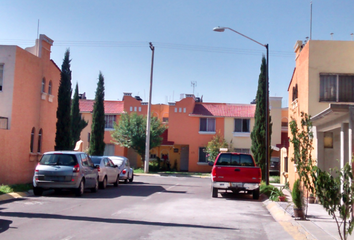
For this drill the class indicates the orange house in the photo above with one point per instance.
(29, 82)
(322, 85)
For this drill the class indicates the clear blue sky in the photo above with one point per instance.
(113, 37)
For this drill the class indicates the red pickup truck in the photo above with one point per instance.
(236, 172)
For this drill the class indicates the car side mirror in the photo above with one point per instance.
(115, 166)
(211, 163)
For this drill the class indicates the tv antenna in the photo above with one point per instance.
(193, 84)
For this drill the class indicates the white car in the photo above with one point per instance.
(126, 172)
(108, 172)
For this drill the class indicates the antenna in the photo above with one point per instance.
(193, 84)
(331, 36)
(37, 45)
(311, 22)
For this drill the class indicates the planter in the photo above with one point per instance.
(282, 199)
(299, 213)
(311, 200)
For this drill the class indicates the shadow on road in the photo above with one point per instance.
(239, 196)
(4, 225)
(102, 220)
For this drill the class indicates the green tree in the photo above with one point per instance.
(130, 132)
(77, 122)
(259, 130)
(98, 123)
(63, 126)
(213, 147)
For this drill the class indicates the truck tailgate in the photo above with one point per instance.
(237, 174)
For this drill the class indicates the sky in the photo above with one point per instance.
(112, 36)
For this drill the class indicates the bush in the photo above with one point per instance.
(297, 194)
(270, 191)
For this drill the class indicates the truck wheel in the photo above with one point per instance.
(214, 192)
(37, 191)
(256, 194)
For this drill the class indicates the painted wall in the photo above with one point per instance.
(243, 141)
(30, 109)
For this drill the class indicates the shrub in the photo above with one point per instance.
(297, 194)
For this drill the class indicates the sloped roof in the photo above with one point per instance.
(110, 107)
(224, 110)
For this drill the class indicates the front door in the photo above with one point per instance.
(184, 158)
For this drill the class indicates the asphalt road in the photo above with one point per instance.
(152, 207)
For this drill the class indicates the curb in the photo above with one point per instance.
(295, 229)
(8, 196)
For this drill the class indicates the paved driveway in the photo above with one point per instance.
(151, 207)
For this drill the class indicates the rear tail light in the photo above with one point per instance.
(124, 171)
(36, 168)
(76, 168)
(213, 172)
(98, 169)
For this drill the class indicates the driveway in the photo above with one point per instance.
(152, 207)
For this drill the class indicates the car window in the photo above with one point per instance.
(58, 159)
(96, 160)
(235, 160)
(118, 162)
(105, 162)
(84, 160)
(246, 160)
(89, 162)
(224, 159)
(110, 163)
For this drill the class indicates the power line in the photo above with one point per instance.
(142, 44)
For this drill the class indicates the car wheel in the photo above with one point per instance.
(80, 190)
(37, 191)
(132, 178)
(95, 188)
(116, 183)
(214, 192)
(57, 190)
(103, 184)
(256, 194)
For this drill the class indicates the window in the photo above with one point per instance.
(242, 125)
(336, 88)
(184, 110)
(207, 125)
(43, 85)
(131, 109)
(165, 119)
(1, 75)
(32, 140)
(328, 140)
(40, 134)
(139, 109)
(109, 121)
(50, 88)
(242, 150)
(202, 155)
(295, 91)
(175, 109)
(235, 160)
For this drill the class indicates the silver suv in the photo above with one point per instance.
(65, 170)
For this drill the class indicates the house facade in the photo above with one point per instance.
(191, 124)
(29, 82)
(322, 86)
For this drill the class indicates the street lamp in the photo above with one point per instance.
(222, 29)
(148, 116)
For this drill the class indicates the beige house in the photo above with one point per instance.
(322, 86)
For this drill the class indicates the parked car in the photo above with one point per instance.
(108, 172)
(274, 165)
(235, 172)
(126, 172)
(65, 170)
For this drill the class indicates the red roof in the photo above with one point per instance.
(110, 107)
(224, 110)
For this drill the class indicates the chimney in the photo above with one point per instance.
(298, 48)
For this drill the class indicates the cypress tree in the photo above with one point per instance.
(259, 131)
(97, 129)
(77, 123)
(63, 132)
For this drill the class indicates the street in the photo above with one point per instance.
(152, 207)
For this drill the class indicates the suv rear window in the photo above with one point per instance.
(58, 159)
(235, 160)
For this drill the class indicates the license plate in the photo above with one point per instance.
(238, 185)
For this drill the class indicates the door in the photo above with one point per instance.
(184, 158)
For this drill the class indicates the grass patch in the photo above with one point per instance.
(15, 188)
(274, 179)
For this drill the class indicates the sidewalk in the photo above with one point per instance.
(318, 225)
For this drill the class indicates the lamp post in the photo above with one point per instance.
(222, 29)
(148, 116)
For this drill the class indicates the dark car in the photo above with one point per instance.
(274, 165)
(65, 170)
